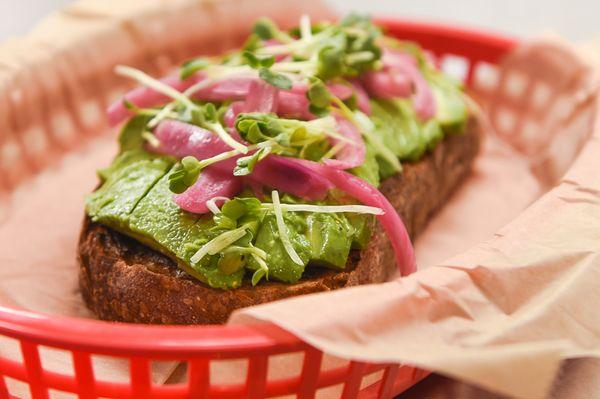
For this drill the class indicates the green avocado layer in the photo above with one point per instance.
(135, 199)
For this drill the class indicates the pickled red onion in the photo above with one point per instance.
(181, 139)
(144, 97)
(261, 97)
(211, 183)
(291, 175)
(351, 154)
(401, 77)
(364, 102)
(369, 195)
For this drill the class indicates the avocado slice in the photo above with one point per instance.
(161, 224)
(281, 266)
(112, 203)
(330, 238)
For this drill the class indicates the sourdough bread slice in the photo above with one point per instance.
(123, 280)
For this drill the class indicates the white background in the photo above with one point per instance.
(575, 19)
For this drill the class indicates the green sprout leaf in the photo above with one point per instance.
(319, 97)
(276, 79)
(265, 29)
(192, 66)
(258, 275)
(258, 60)
(245, 165)
(184, 175)
(204, 115)
(330, 62)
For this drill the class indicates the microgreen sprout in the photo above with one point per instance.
(219, 243)
(151, 139)
(189, 68)
(187, 171)
(235, 210)
(283, 231)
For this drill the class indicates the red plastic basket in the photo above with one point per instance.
(199, 346)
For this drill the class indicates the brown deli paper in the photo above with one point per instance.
(504, 313)
(501, 313)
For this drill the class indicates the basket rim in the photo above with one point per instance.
(220, 341)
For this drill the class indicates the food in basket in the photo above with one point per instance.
(298, 164)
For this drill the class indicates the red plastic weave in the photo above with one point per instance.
(199, 346)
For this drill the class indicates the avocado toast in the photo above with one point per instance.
(251, 177)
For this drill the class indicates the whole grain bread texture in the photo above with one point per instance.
(123, 280)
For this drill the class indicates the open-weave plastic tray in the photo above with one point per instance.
(199, 346)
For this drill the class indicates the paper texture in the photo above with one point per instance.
(501, 314)
(504, 313)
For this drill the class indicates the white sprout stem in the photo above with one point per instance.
(167, 109)
(283, 48)
(333, 151)
(361, 56)
(283, 232)
(152, 83)
(337, 136)
(230, 154)
(246, 250)
(261, 262)
(218, 243)
(211, 204)
(151, 139)
(220, 73)
(362, 209)
(295, 66)
(305, 28)
(226, 137)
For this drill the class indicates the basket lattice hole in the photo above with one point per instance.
(111, 369)
(505, 121)
(372, 378)
(228, 372)
(63, 127)
(90, 113)
(515, 84)
(562, 108)
(161, 371)
(10, 349)
(54, 394)
(287, 365)
(17, 388)
(332, 362)
(57, 360)
(332, 391)
(456, 66)
(485, 76)
(529, 131)
(10, 152)
(35, 140)
(540, 95)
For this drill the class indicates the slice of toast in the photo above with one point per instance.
(123, 280)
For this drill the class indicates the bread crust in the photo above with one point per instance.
(123, 280)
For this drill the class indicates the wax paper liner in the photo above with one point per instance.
(504, 313)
